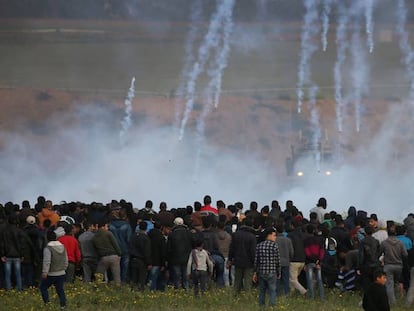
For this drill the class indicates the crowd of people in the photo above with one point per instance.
(277, 249)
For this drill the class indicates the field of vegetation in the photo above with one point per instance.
(102, 296)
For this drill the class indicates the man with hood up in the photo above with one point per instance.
(55, 262)
(122, 231)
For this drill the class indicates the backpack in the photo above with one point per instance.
(330, 246)
(330, 263)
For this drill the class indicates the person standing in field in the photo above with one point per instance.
(199, 266)
(267, 267)
(108, 251)
(375, 297)
(241, 255)
(55, 263)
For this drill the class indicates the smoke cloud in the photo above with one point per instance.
(77, 156)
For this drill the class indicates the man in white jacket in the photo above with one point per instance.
(55, 262)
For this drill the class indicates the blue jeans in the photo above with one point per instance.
(180, 276)
(267, 282)
(157, 278)
(124, 268)
(219, 269)
(15, 262)
(312, 271)
(283, 283)
(58, 282)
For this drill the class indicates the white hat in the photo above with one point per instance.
(178, 221)
(59, 231)
(31, 220)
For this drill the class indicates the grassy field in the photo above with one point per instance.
(106, 297)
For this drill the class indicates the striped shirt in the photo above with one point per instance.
(267, 259)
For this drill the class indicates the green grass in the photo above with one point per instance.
(106, 297)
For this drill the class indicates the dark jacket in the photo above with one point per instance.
(375, 298)
(211, 242)
(369, 253)
(158, 247)
(297, 236)
(179, 246)
(341, 236)
(30, 253)
(105, 243)
(140, 247)
(243, 247)
(36, 237)
(12, 242)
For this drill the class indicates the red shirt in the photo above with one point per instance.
(209, 209)
(72, 248)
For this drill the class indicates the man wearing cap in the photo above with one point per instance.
(31, 272)
(179, 246)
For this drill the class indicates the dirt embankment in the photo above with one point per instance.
(253, 124)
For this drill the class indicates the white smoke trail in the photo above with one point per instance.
(127, 122)
(210, 41)
(369, 27)
(221, 61)
(327, 8)
(310, 30)
(359, 74)
(195, 18)
(342, 46)
(405, 45)
(213, 89)
(316, 129)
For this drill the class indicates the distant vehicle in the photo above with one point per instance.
(307, 160)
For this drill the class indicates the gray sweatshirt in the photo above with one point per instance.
(55, 259)
(199, 260)
(394, 251)
(285, 250)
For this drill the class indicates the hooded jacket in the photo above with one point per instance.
(55, 259)
(122, 232)
(394, 251)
